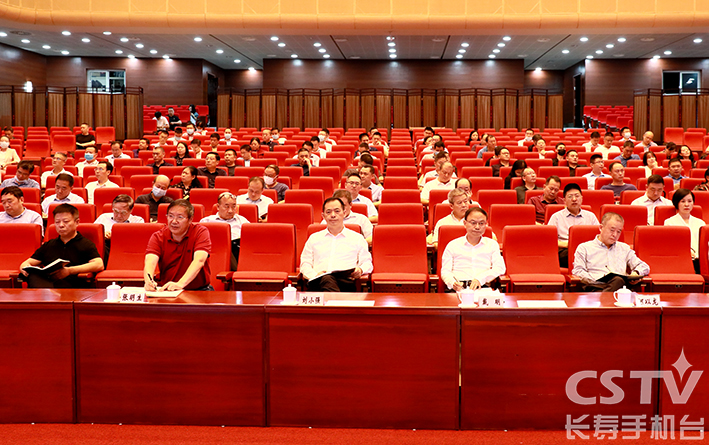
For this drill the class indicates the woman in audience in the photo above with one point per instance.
(686, 153)
(704, 186)
(181, 153)
(8, 156)
(194, 115)
(199, 128)
(163, 124)
(516, 172)
(649, 162)
(189, 181)
(472, 137)
(683, 200)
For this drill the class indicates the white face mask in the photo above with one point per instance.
(269, 180)
(321, 137)
(4, 144)
(626, 135)
(158, 192)
(227, 136)
(190, 131)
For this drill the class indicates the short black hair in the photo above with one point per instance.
(65, 177)
(331, 199)
(571, 186)
(66, 208)
(12, 190)
(680, 195)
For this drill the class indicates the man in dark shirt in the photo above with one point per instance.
(159, 160)
(303, 161)
(173, 119)
(503, 154)
(211, 171)
(550, 196)
(618, 186)
(230, 161)
(70, 245)
(156, 196)
(84, 139)
(572, 160)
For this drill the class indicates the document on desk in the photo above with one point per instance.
(541, 303)
(360, 303)
(163, 294)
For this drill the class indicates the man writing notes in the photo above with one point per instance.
(472, 261)
(181, 250)
(603, 263)
(334, 258)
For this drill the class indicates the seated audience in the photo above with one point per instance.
(159, 160)
(90, 161)
(13, 202)
(63, 186)
(459, 200)
(368, 176)
(352, 217)
(121, 213)
(116, 152)
(210, 170)
(188, 181)
(270, 178)
(653, 197)
(675, 172)
(529, 182)
(617, 186)
(230, 160)
(353, 184)
(102, 170)
(572, 215)
(443, 181)
(550, 196)
(22, 177)
(58, 161)
(254, 195)
(627, 154)
(683, 200)
(8, 156)
(303, 161)
(85, 139)
(516, 172)
(227, 213)
(156, 196)
(181, 153)
(596, 171)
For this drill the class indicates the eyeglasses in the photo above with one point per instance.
(120, 212)
(354, 183)
(179, 218)
(476, 223)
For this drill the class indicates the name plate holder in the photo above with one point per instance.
(647, 300)
(132, 295)
(491, 301)
(311, 299)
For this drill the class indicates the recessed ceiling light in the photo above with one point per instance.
(165, 56)
(118, 51)
(317, 44)
(647, 39)
(584, 39)
(131, 56)
(589, 57)
(392, 50)
(3, 34)
(220, 51)
(598, 51)
(107, 33)
(322, 50)
(695, 40)
(197, 39)
(496, 51)
(537, 69)
(465, 44)
(565, 51)
(492, 56)
(462, 51)
(251, 68)
(507, 38)
(124, 39)
(294, 56)
(281, 44)
(501, 45)
(458, 56)
(391, 44)
(86, 40)
(25, 41)
(621, 39)
(46, 47)
(327, 56)
(66, 33)
(393, 56)
(274, 39)
(610, 45)
(139, 45)
(667, 53)
(656, 56)
(65, 53)
(390, 38)
(153, 51)
(237, 60)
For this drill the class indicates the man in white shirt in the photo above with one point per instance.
(596, 171)
(607, 148)
(13, 202)
(254, 195)
(439, 159)
(163, 137)
(647, 142)
(459, 200)
(368, 175)
(431, 152)
(121, 213)
(443, 181)
(324, 136)
(226, 213)
(63, 186)
(653, 197)
(354, 218)
(116, 152)
(527, 141)
(22, 177)
(334, 258)
(593, 143)
(103, 169)
(471, 261)
(90, 161)
(227, 138)
(58, 161)
(318, 148)
(353, 184)
(572, 215)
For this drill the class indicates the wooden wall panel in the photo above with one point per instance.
(429, 109)
(640, 114)
(40, 107)
(223, 114)
(689, 111)
(268, 110)
(295, 108)
(352, 110)
(134, 121)
(55, 109)
(703, 111)
(238, 107)
(367, 103)
(253, 110)
(540, 111)
(5, 109)
(326, 104)
(85, 109)
(655, 112)
(670, 111)
(498, 111)
(384, 111)
(440, 108)
(467, 111)
(400, 110)
(119, 118)
(555, 111)
(24, 105)
(451, 111)
(338, 110)
(102, 110)
(524, 109)
(484, 111)
(312, 111)
(511, 111)
(281, 110)
(415, 100)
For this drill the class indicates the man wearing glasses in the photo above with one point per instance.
(181, 250)
(122, 207)
(472, 261)
(354, 185)
(226, 213)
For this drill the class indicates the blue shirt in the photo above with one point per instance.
(676, 181)
(26, 217)
(624, 161)
(29, 183)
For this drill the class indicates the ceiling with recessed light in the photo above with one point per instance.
(549, 52)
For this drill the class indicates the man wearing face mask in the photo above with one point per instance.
(325, 141)
(89, 161)
(227, 138)
(156, 196)
(189, 128)
(625, 135)
(270, 178)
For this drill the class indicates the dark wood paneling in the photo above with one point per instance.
(243, 79)
(545, 79)
(18, 66)
(407, 74)
(569, 73)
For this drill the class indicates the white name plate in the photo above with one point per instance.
(647, 300)
(311, 299)
(489, 301)
(132, 295)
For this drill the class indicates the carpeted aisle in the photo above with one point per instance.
(61, 434)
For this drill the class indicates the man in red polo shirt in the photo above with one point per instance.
(180, 250)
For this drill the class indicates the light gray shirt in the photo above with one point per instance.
(26, 217)
(594, 260)
(563, 220)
